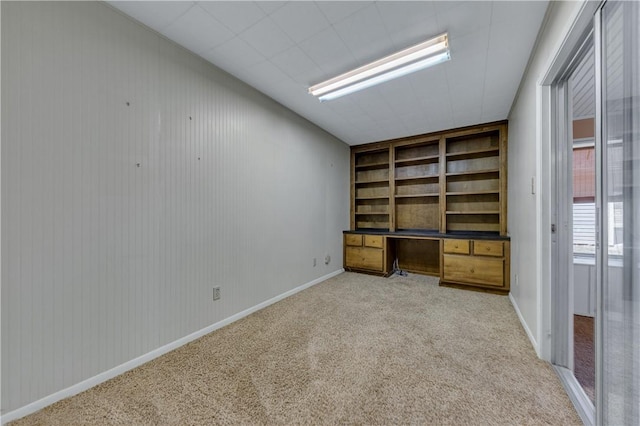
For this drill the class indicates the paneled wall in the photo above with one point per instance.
(525, 160)
(135, 177)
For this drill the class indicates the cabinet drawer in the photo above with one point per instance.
(353, 240)
(364, 258)
(488, 248)
(373, 241)
(474, 270)
(456, 246)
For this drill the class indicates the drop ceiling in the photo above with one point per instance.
(282, 48)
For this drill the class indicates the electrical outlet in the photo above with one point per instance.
(216, 293)
(327, 259)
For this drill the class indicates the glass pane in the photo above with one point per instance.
(620, 204)
(582, 100)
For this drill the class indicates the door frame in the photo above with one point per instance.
(555, 248)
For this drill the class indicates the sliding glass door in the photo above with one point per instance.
(619, 211)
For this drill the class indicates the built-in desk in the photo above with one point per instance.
(478, 260)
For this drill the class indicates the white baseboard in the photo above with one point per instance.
(136, 362)
(524, 325)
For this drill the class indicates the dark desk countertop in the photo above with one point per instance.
(469, 235)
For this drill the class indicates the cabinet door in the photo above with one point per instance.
(365, 258)
(488, 248)
(376, 241)
(353, 240)
(456, 246)
(474, 270)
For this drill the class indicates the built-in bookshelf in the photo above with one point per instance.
(442, 182)
(370, 189)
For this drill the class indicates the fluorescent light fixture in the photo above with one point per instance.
(414, 58)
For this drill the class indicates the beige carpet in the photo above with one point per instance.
(355, 349)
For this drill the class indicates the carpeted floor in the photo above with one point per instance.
(355, 349)
(584, 367)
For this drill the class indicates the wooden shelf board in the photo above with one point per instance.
(474, 172)
(433, 194)
(373, 165)
(473, 152)
(474, 192)
(364, 182)
(473, 212)
(417, 177)
(386, 197)
(417, 160)
(373, 214)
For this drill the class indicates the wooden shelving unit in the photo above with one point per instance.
(437, 203)
(370, 189)
(445, 181)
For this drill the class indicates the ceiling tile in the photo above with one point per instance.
(269, 6)
(237, 16)
(295, 63)
(233, 55)
(408, 23)
(518, 11)
(154, 14)
(197, 31)
(329, 52)
(336, 11)
(300, 20)
(365, 35)
(465, 18)
(267, 38)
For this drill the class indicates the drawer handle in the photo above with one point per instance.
(472, 271)
(488, 248)
(455, 246)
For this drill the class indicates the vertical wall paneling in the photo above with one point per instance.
(135, 177)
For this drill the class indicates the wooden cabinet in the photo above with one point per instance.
(479, 263)
(365, 253)
(437, 203)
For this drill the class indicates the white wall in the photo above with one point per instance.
(525, 146)
(104, 261)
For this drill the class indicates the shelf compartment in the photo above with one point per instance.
(476, 142)
(473, 204)
(370, 222)
(474, 172)
(425, 151)
(478, 183)
(464, 221)
(417, 170)
(417, 213)
(427, 177)
(470, 165)
(418, 160)
(372, 206)
(379, 174)
(372, 159)
(384, 165)
(476, 153)
(373, 190)
(408, 187)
